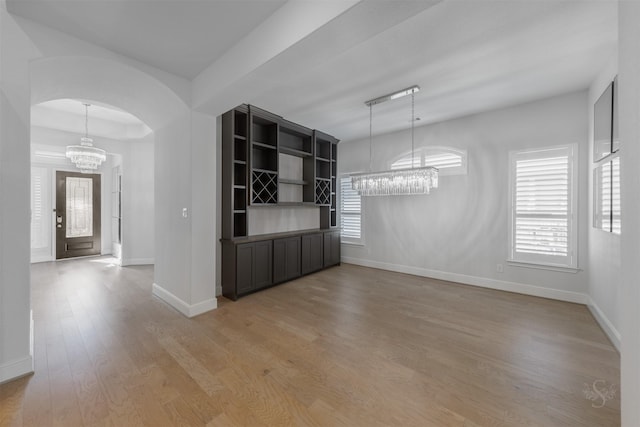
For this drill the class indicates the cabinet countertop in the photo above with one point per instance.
(271, 236)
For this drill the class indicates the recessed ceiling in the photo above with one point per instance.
(68, 115)
(181, 37)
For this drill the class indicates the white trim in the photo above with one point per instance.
(137, 261)
(20, 367)
(184, 308)
(543, 266)
(37, 259)
(483, 282)
(604, 322)
(572, 242)
(16, 368)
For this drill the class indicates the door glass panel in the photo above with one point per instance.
(40, 220)
(79, 207)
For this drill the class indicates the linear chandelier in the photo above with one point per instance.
(85, 156)
(395, 182)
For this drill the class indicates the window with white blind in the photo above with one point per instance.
(543, 205)
(350, 212)
(616, 223)
(606, 186)
(449, 161)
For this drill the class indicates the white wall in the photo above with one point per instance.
(604, 247)
(16, 352)
(629, 80)
(460, 231)
(138, 216)
(39, 64)
(204, 195)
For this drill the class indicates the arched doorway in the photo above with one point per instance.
(125, 190)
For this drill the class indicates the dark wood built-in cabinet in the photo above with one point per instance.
(268, 161)
(253, 266)
(286, 259)
(312, 253)
(331, 248)
(256, 262)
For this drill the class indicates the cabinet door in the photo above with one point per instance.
(286, 259)
(293, 258)
(244, 267)
(279, 260)
(335, 248)
(262, 264)
(312, 254)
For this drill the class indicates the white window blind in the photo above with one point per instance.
(350, 212)
(606, 178)
(542, 207)
(616, 223)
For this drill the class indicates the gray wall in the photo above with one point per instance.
(460, 231)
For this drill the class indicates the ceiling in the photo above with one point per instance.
(181, 37)
(106, 121)
(468, 56)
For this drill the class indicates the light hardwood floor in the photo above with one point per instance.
(349, 346)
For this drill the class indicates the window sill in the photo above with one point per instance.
(541, 266)
(345, 242)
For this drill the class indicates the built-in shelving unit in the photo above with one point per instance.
(234, 175)
(264, 157)
(325, 177)
(268, 161)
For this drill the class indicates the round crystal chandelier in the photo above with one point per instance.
(396, 182)
(85, 156)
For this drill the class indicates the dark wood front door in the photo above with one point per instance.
(77, 214)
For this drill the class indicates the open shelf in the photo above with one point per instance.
(294, 152)
(240, 174)
(257, 144)
(295, 139)
(264, 131)
(240, 124)
(265, 159)
(235, 150)
(292, 181)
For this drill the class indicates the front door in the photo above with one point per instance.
(77, 214)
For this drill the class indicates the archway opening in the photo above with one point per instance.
(124, 213)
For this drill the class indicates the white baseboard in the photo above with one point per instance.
(606, 325)
(137, 261)
(21, 367)
(16, 368)
(189, 310)
(483, 282)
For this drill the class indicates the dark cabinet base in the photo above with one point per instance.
(256, 262)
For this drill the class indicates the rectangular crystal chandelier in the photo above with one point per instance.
(395, 182)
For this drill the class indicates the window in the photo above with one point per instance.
(606, 186)
(449, 161)
(542, 220)
(350, 212)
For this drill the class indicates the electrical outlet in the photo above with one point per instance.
(185, 213)
(500, 268)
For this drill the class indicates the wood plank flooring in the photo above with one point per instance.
(349, 346)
